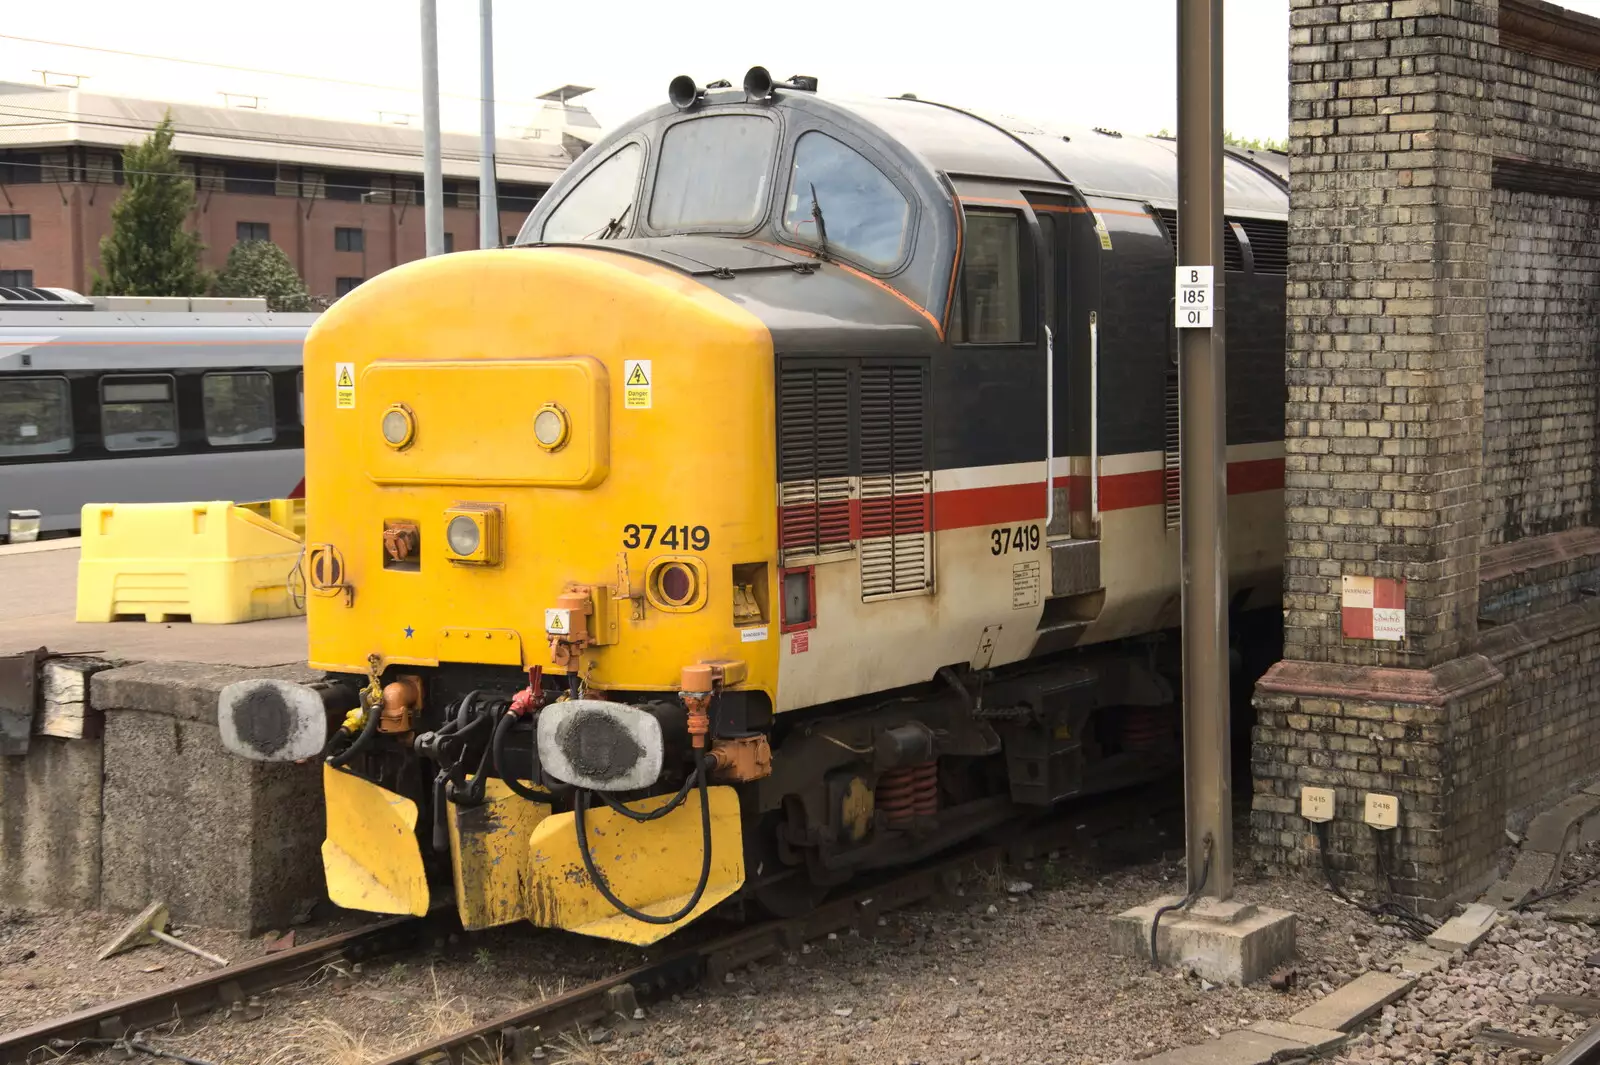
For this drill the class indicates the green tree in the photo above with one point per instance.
(260, 268)
(1255, 143)
(148, 251)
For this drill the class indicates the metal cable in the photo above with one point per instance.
(1188, 900)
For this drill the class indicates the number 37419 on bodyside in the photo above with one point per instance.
(1012, 538)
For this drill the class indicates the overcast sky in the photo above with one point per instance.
(1083, 61)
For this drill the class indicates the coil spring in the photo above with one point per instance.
(908, 792)
(1145, 728)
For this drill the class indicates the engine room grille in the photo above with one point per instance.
(1269, 244)
(896, 525)
(814, 461)
(1171, 502)
(1232, 253)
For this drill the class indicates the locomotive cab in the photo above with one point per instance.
(752, 522)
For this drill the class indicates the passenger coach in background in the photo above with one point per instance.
(136, 400)
(796, 499)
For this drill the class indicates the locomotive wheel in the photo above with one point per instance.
(779, 890)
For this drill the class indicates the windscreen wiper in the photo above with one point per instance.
(822, 226)
(613, 227)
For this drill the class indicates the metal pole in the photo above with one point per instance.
(1203, 460)
(432, 164)
(488, 199)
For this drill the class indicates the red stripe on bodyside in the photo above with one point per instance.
(965, 508)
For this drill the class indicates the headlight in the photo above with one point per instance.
(550, 427)
(399, 426)
(462, 534)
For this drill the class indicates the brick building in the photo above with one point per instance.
(1443, 359)
(343, 199)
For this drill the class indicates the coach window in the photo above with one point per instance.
(138, 413)
(865, 216)
(598, 206)
(238, 409)
(715, 173)
(988, 306)
(35, 416)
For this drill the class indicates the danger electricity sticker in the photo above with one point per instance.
(344, 386)
(636, 384)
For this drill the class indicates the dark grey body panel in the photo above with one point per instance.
(1113, 257)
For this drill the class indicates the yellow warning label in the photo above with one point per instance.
(344, 386)
(1103, 233)
(636, 384)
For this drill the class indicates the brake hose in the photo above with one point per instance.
(580, 808)
(498, 745)
(361, 742)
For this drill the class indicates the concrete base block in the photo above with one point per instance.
(1466, 930)
(1354, 1002)
(50, 825)
(1315, 1040)
(1420, 961)
(1241, 1046)
(1224, 942)
(224, 842)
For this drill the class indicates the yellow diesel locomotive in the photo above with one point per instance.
(796, 498)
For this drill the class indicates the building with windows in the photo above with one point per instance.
(342, 199)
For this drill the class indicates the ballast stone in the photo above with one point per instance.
(1224, 942)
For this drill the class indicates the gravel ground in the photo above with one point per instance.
(1002, 973)
(1526, 955)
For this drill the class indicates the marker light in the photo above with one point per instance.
(550, 427)
(399, 426)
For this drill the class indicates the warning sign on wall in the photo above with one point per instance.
(636, 384)
(344, 385)
(1373, 608)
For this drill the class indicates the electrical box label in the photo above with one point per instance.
(1024, 585)
(558, 622)
(1195, 296)
(636, 384)
(1316, 804)
(1383, 811)
(344, 385)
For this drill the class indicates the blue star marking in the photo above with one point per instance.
(409, 631)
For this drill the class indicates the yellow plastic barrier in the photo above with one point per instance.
(217, 563)
(289, 513)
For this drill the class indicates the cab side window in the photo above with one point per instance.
(598, 208)
(989, 303)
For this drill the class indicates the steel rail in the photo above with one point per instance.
(223, 987)
(613, 1000)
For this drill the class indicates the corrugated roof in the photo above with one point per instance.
(35, 117)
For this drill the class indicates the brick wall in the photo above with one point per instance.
(1553, 660)
(1389, 217)
(1444, 388)
(1542, 377)
(69, 221)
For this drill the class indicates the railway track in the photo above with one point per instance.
(113, 1021)
(618, 1000)
(674, 967)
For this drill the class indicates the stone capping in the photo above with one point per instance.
(1550, 32)
(1505, 560)
(1455, 679)
(1514, 638)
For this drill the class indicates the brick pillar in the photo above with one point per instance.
(1391, 109)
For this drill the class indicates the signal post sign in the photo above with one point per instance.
(1195, 297)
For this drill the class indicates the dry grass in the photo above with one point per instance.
(574, 1048)
(325, 1041)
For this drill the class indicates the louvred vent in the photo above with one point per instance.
(814, 460)
(1269, 244)
(896, 545)
(1232, 253)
